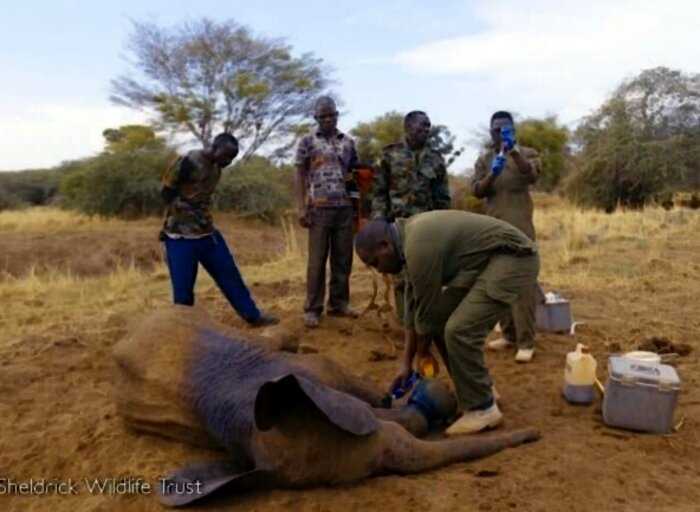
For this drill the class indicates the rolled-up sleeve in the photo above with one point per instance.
(424, 275)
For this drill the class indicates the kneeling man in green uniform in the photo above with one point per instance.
(463, 273)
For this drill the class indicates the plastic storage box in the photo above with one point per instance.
(554, 314)
(640, 396)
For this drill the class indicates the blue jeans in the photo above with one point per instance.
(184, 255)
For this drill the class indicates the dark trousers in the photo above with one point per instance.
(330, 231)
(184, 256)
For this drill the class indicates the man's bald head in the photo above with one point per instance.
(371, 235)
(375, 247)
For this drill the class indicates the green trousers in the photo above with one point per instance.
(518, 324)
(469, 315)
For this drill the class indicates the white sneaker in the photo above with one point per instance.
(524, 355)
(495, 393)
(472, 422)
(499, 344)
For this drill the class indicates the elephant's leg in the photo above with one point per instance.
(402, 453)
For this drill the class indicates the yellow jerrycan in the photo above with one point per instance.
(579, 376)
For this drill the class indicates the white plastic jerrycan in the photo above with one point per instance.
(579, 376)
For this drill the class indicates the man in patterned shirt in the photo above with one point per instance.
(189, 234)
(325, 159)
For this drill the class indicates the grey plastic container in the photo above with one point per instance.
(640, 396)
(554, 316)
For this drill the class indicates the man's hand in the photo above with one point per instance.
(423, 345)
(304, 220)
(401, 379)
(498, 164)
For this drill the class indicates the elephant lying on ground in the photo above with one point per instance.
(286, 420)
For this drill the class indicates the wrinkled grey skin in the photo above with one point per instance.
(286, 420)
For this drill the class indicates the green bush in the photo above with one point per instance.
(117, 185)
(255, 188)
(30, 187)
(462, 197)
(641, 145)
(9, 201)
(550, 139)
(621, 168)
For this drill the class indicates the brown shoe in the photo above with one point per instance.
(264, 320)
(346, 312)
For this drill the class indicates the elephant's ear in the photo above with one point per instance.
(289, 394)
(199, 481)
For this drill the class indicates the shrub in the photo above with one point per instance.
(30, 187)
(550, 139)
(9, 201)
(462, 197)
(641, 145)
(255, 188)
(123, 184)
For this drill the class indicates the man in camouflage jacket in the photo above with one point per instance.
(411, 179)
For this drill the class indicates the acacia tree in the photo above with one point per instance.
(642, 144)
(372, 136)
(204, 76)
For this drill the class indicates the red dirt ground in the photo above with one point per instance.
(58, 420)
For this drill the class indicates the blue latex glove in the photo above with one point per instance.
(402, 388)
(498, 164)
(508, 137)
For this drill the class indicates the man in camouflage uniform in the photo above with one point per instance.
(189, 234)
(411, 179)
(503, 175)
(463, 271)
(325, 160)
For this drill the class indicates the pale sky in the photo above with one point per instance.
(457, 60)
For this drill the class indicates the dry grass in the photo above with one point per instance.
(585, 251)
(48, 219)
(51, 301)
(590, 249)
